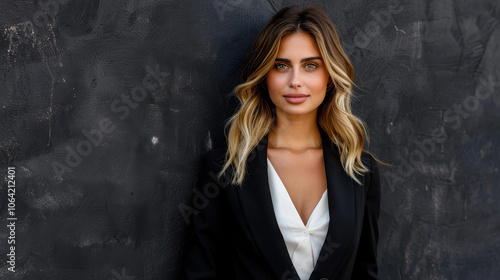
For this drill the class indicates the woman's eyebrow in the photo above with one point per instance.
(302, 60)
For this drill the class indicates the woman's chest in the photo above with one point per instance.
(303, 177)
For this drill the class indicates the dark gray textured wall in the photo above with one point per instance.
(107, 106)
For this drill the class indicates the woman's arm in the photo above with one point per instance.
(365, 265)
(207, 251)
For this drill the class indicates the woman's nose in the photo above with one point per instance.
(296, 78)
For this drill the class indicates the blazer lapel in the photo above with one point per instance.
(342, 208)
(256, 202)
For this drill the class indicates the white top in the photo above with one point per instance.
(303, 242)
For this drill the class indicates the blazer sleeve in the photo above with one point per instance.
(207, 249)
(365, 265)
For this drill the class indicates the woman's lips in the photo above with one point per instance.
(295, 99)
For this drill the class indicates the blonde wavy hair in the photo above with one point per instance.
(256, 115)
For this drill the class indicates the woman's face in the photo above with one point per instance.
(298, 70)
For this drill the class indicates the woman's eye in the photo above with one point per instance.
(313, 66)
(280, 66)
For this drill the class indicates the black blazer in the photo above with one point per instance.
(234, 233)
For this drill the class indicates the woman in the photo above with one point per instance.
(294, 196)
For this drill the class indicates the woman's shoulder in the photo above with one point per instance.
(368, 160)
(371, 163)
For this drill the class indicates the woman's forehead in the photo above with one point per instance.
(298, 46)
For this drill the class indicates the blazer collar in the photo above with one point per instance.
(255, 198)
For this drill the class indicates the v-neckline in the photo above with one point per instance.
(290, 201)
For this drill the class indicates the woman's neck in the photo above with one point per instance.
(295, 135)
